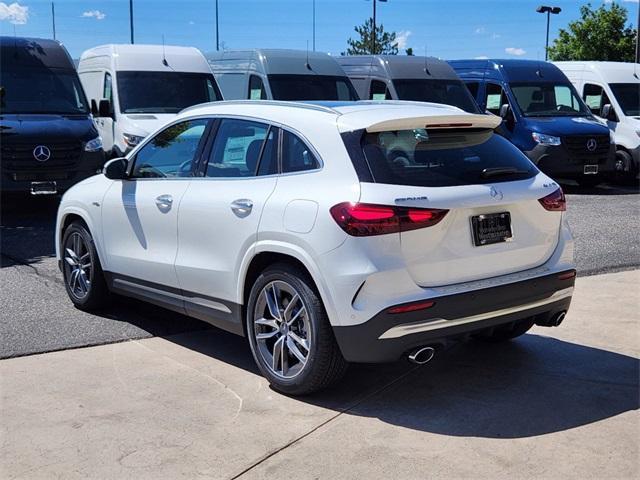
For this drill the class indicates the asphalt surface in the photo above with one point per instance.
(36, 315)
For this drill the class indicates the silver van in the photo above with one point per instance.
(273, 74)
(399, 77)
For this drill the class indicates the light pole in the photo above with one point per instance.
(314, 25)
(548, 10)
(217, 29)
(131, 19)
(638, 37)
(373, 36)
(53, 19)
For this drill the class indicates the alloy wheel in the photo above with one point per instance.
(78, 266)
(282, 329)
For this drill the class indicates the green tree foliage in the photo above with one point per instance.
(601, 34)
(385, 43)
(409, 51)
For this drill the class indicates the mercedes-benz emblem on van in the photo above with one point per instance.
(495, 193)
(41, 153)
(592, 144)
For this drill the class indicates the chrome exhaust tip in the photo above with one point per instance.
(422, 355)
(557, 320)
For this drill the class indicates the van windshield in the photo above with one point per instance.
(448, 92)
(444, 158)
(164, 92)
(545, 99)
(41, 90)
(311, 87)
(628, 96)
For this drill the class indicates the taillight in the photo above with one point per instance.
(365, 219)
(411, 307)
(554, 202)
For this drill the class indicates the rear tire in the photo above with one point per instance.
(289, 332)
(81, 269)
(505, 333)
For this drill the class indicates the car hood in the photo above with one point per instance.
(561, 126)
(143, 124)
(46, 128)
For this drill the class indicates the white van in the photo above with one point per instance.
(134, 89)
(612, 92)
(279, 74)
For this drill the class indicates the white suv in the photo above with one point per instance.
(296, 225)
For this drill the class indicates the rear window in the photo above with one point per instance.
(443, 158)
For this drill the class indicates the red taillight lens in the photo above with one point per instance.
(411, 307)
(554, 202)
(365, 219)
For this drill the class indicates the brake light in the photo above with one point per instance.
(554, 202)
(366, 219)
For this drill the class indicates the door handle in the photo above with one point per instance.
(242, 207)
(164, 202)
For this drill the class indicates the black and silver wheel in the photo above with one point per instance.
(289, 332)
(83, 277)
(626, 170)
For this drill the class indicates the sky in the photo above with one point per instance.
(447, 29)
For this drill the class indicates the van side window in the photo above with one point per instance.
(236, 149)
(171, 152)
(378, 91)
(494, 98)
(107, 91)
(256, 88)
(473, 88)
(296, 155)
(595, 98)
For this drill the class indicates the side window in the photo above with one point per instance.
(107, 91)
(296, 156)
(494, 98)
(378, 91)
(473, 88)
(171, 152)
(595, 98)
(256, 88)
(236, 149)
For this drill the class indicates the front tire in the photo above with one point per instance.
(81, 269)
(289, 332)
(626, 171)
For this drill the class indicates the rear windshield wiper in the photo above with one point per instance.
(502, 171)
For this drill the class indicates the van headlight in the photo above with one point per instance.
(132, 140)
(93, 145)
(544, 139)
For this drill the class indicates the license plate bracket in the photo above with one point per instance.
(491, 228)
(590, 169)
(44, 188)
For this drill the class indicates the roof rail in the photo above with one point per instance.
(309, 106)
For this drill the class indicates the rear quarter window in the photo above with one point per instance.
(443, 158)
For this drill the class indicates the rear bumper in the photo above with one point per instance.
(386, 337)
(556, 162)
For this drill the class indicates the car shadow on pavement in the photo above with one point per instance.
(601, 189)
(532, 386)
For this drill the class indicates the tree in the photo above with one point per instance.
(385, 42)
(409, 51)
(600, 34)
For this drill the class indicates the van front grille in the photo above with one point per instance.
(578, 148)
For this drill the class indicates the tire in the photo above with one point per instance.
(626, 176)
(507, 332)
(81, 269)
(284, 333)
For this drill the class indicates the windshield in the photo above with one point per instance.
(311, 87)
(444, 158)
(41, 90)
(164, 92)
(548, 100)
(449, 92)
(628, 96)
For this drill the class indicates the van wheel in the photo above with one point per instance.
(289, 332)
(626, 171)
(507, 332)
(81, 269)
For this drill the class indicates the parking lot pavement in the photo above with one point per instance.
(557, 403)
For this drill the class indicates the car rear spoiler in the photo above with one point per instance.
(436, 121)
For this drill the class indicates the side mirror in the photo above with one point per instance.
(115, 169)
(94, 107)
(104, 108)
(608, 113)
(505, 109)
